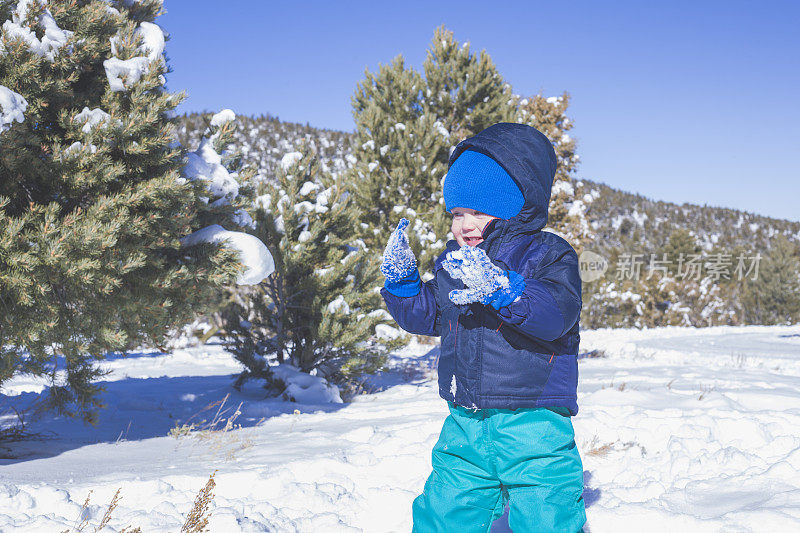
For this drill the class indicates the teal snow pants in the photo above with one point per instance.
(487, 456)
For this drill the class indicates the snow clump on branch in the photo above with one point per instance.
(12, 108)
(254, 255)
(123, 73)
(52, 41)
(206, 164)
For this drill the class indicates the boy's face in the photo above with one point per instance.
(468, 225)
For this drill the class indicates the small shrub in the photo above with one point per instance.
(79, 527)
(197, 521)
(205, 428)
(218, 431)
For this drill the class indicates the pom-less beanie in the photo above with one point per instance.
(476, 181)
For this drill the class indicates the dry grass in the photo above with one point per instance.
(601, 451)
(218, 432)
(595, 449)
(196, 521)
(705, 390)
(205, 427)
(738, 359)
(84, 520)
(598, 450)
(621, 387)
(294, 419)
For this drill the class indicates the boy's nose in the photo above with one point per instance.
(470, 223)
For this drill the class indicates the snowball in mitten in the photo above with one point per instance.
(482, 277)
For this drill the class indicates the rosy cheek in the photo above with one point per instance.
(455, 227)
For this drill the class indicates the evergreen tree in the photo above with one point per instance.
(407, 124)
(399, 155)
(684, 298)
(463, 90)
(680, 243)
(567, 215)
(774, 296)
(91, 201)
(314, 312)
(676, 286)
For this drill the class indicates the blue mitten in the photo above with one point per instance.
(399, 264)
(508, 295)
(472, 266)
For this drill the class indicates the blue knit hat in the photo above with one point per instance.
(476, 181)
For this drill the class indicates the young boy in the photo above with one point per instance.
(505, 299)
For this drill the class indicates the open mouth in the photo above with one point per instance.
(473, 241)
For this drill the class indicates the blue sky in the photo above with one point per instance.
(678, 101)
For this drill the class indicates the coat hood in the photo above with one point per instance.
(529, 158)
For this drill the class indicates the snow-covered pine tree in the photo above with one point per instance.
(406, 125)
(217, 166)
(316, 311)
(463, 90)
(568, 200)
(398, 153)
(774, 296)
(686, 299)
(676, 291)
(91, 201)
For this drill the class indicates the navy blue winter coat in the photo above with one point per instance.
(525, 354)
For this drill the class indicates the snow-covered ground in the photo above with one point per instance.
(680, 430)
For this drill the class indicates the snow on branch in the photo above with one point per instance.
(12, 107)
(206, 164)
(123, 73)
(91, 118)
(223, 117)
(52, 41)
(253, 253)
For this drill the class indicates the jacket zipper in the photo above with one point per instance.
(455, 354)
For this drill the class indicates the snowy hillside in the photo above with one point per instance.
(680, 429)
(264, 140)
(624, 219)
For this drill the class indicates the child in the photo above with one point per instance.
(505, 299)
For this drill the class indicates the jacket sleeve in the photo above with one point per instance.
(417, 314)
(551, 302)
